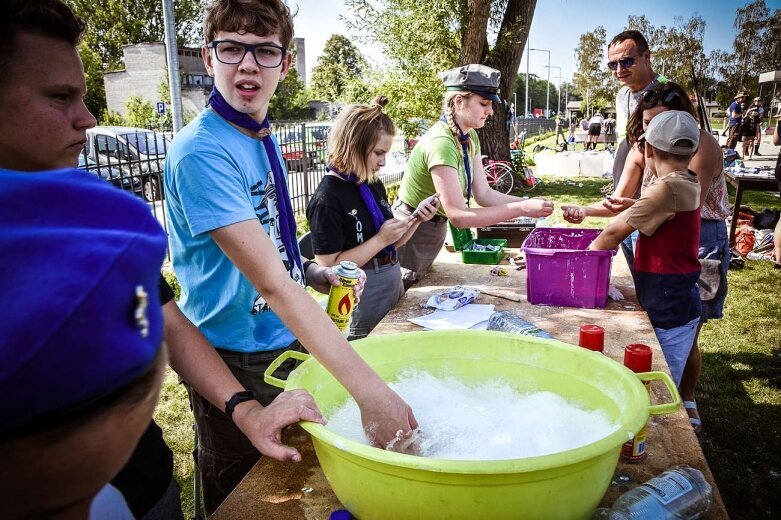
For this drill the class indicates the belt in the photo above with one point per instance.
(376, 262)
(436, 218)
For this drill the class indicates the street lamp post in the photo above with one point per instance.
(547, 86)
(526, 101)
(558, 105)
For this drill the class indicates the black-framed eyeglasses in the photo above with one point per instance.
(664, 96)
(267, 55)
(624, 62)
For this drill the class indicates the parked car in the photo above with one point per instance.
(137, 152)
(112, 174)
(292, 146)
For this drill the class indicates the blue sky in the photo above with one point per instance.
(557, 25)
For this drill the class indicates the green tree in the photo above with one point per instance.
(290, 100)
(538, 93)
(422, 39)
(140, 113)
(340, 65)
(676, 49)
(756, 49)
(112, 24)
(593, 81)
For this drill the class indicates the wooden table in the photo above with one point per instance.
(763, 181)
(300, 491)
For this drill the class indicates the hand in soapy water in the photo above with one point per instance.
(408, 443)
(388, 421)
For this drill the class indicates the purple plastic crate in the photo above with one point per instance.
(559, 270)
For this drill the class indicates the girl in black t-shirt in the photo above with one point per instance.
(349, 214)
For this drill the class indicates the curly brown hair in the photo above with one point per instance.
(261, 17)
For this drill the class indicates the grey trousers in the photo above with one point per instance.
(417, 255)
(382, 290)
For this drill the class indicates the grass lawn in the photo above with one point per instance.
(739, 395)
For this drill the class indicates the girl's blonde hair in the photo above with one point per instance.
(355, 134)
(449, 109)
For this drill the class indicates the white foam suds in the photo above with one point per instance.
(488, 422)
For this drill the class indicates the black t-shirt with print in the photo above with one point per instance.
(338, 218)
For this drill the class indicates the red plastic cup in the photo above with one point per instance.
(637, 357)
(592, 337)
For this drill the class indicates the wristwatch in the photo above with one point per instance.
(235, 400)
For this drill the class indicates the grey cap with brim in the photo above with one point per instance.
(674, 132)
(479, 79)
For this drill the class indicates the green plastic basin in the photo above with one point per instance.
(377, 484)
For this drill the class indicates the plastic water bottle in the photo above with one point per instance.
(506, 321)
(680, 493)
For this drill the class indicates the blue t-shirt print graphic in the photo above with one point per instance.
(268, 215)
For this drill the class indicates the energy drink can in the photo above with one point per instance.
(341, 299)
(637, 358)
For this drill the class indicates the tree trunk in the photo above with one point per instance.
(505, 57)
(473, 39)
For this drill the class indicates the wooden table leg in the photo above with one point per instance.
(734, 223)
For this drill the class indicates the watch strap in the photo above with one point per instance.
(236, 399)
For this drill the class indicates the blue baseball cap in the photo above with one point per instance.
(80, 263)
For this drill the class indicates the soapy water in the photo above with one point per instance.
(488, 422)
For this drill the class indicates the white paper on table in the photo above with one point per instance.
(462, 318)
(483, 325)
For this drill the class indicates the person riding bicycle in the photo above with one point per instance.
(447, 160)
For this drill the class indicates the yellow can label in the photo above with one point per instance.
(341, 302)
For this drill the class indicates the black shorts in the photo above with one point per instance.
(594, 129)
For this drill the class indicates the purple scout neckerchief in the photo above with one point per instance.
(370, 202)
(464, 140)
(287, 221)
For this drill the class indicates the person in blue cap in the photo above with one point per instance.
(43, 123)
(448, 160)
(81, 360)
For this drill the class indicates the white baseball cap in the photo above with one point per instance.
(673, 131)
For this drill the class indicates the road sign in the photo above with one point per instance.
(160, 107)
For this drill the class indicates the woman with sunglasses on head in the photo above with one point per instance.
(349, 214)
(447, 160)
(707, 164)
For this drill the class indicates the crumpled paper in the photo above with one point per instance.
(452, 299)
(614, 294)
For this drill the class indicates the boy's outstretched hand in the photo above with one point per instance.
(617, 204)
(573, 214)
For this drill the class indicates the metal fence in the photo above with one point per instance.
(531, 126)
(132, 160)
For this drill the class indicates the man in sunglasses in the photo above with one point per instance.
(629, 58)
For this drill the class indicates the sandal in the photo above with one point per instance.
(695, 422)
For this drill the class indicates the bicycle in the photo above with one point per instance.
(499, 174)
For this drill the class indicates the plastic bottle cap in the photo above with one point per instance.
(340, 514)
(637, 357)
(592, 337)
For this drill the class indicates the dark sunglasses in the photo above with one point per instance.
(624, 62)
(664, 96)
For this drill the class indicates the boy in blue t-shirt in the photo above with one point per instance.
(666, 265)
(234, 247)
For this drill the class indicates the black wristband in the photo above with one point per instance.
(307, 264)
(235, 400)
